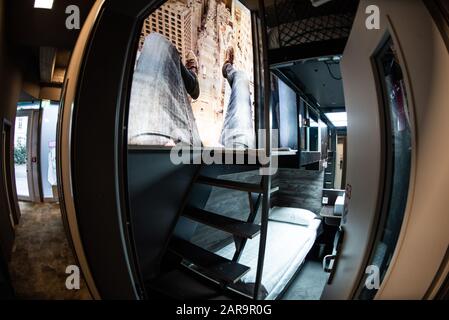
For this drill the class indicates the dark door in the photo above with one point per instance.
(8, 215)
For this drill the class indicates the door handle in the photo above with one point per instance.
(328, 262)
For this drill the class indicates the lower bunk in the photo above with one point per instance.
(291, 235)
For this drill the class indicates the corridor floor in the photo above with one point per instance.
(41, 254)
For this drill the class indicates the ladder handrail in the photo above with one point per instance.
(266, 182)
(266, 179)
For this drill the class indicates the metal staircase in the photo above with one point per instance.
(214, 267)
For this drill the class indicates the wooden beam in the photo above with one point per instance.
(50, 93)
(58, 75)
(47, 61)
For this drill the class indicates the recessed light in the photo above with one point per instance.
(43, 4)
(338, 119)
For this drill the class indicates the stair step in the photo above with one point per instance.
(236, 227)
(229, 184)
(215, 266)
(274, 190)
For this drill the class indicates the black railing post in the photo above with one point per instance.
(266, 179)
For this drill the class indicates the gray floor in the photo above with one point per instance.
(41, 254)
(309, 283)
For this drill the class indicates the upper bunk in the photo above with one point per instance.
(300, 30)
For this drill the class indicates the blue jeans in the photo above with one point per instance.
(160, 110)
(238, 131)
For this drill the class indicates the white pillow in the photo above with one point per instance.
(298, 216)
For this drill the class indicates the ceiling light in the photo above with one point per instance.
(43, 4)
(338, 119)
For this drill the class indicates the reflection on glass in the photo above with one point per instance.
(323, 139)
(48, 147)
(303, 130)
(193, 79)
(314, 133)
(21, 155)
(399, 148)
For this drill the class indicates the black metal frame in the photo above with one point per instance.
(304, 31)
(99, 170)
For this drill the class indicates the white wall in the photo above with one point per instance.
(424, 236)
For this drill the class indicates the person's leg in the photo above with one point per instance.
(160, 112)
(238, 129)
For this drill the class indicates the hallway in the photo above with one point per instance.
(41, 254)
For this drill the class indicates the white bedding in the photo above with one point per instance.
(287, 246)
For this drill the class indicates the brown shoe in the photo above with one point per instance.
(229, 59)
(192, 62)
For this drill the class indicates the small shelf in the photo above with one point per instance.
(327, 213)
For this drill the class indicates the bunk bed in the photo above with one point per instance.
(297, 30)
(290, 236)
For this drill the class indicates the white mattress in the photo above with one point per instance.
(287, 246)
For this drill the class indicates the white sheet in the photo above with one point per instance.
(287, 247)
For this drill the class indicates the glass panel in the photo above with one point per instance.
(288, 113)
(48, 147)
(303, 130)
(398, 157)
(193, 81)
(314, 132)
(323, 139)
(339, 163)
(21, 155)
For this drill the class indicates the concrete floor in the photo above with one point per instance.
(41, 254)
(309, 283)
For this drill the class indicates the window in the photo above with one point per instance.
(314, 132)
(398, 159)
(208, 128)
